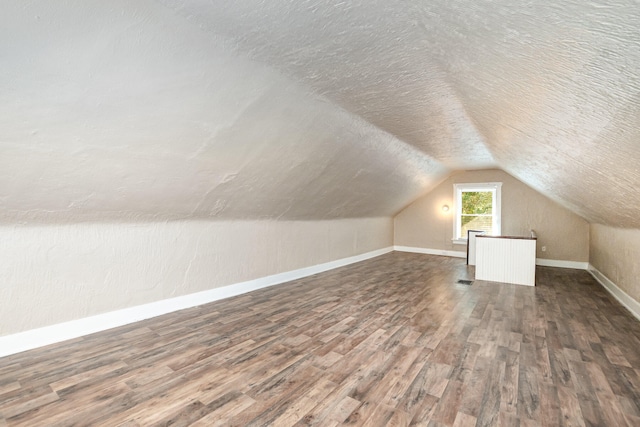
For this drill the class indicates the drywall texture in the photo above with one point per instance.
(120, 111)
(615, 252)
(312, 109)
(51, 274)
(423, 224)
(547, 89)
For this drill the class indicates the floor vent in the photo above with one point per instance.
(465, 282)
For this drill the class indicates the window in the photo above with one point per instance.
(477, 207)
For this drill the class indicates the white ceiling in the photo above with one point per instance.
(299, 109)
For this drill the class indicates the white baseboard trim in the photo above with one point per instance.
(623, 298)
(562, 263)
(457, 254)
(442, 252)
(40, 337)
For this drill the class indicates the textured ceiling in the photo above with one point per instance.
(312, 109)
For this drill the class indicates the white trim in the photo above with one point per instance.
(623, 298)
(562, 263)
(457, 254)
(427, 251)
(34, 338)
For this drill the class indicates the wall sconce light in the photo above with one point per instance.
(445, 208)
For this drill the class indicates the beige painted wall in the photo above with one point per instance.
(615, 252)
(52, 274)
(565, 234)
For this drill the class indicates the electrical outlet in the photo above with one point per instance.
(544, 249)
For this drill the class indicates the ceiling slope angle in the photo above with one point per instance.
(120, 111)
(554, 87)
(546, 90)
(372, 58)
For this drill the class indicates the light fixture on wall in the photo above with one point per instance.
(445, 208)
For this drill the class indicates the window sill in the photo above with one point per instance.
(459, 241)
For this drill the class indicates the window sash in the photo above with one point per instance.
(495, 190)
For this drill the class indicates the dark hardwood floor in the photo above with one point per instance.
(390, 341)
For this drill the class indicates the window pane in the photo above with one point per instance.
(477, 202)
(477, 208)
(473, 222)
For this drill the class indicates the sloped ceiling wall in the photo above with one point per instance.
(312, 109)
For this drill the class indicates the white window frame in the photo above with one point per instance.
(496, 191)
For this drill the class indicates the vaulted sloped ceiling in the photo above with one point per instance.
(307, 109)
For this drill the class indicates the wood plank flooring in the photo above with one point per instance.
(390, 341)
